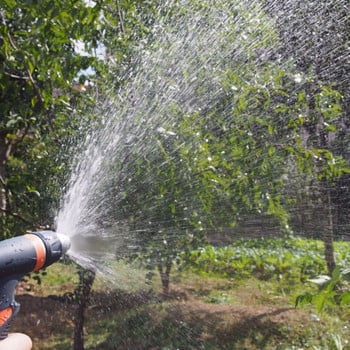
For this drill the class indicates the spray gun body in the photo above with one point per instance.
(21, 255)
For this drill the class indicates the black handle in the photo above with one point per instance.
(8, 306)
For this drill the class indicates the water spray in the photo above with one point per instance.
(19, 256)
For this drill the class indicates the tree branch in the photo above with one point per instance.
(16, 216)
(30, 77)
(17, 77)
(121, 23)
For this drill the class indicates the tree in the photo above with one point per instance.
(40, 57)
(82, 294)
(160, 204)
(38, 62)
(316, 37)
(196, 143)
(124, 27)
(243, 139)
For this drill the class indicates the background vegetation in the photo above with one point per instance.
(269, 155)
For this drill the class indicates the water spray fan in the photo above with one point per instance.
(19, 256)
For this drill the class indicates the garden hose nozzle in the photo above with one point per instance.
(21, 255)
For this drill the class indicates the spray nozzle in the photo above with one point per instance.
(65, 242)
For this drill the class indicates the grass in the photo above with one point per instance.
(245, 300)
(215, 315)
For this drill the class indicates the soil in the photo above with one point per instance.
(50, 316)
(41, 316)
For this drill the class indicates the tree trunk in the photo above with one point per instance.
(318, 129)
(328, 230)
(165, 277)
(328, 234)
(5, 149)
(86, 280)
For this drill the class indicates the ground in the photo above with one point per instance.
(48, 320)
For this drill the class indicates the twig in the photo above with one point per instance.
(17, 216)
(17, 77)
(121, 23)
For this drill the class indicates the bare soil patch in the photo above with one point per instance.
(52, 317)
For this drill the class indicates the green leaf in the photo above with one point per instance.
(34, 100)
(345, 298)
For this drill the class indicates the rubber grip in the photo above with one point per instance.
(6, 317)
(8, 306)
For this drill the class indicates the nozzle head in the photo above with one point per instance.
(56, 245)
(65, 242)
